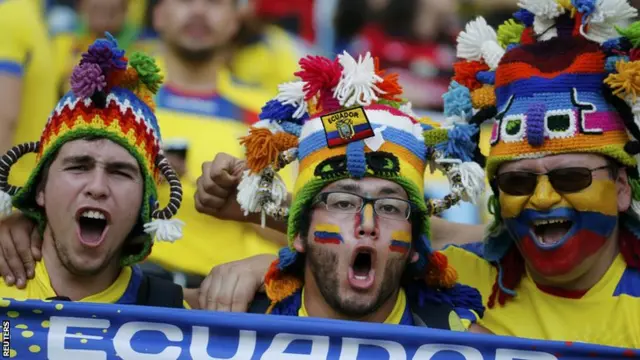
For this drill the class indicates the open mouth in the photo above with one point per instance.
(549, 232)
(362, 271)
(92, 227)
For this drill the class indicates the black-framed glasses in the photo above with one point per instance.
(349, 203)
(564, 180)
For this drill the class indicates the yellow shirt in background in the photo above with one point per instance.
(25, 51)
(208, 124)
(608, 314)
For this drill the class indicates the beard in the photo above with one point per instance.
(65, 259)
(194, 56)
(323, 264)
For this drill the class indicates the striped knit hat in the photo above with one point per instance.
(562, 77)
(111, 98)
(345, 119)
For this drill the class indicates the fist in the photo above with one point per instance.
(217, 188)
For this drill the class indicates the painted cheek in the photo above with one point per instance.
(511, 206)
(327, 234)
(400, 242)
(601, 197)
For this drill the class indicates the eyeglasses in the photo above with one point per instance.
(348, 203)
(564, 180)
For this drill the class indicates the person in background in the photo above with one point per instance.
(27, 84)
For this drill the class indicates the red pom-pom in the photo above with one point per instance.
(389, 83)
(320, 75)
(527, 37)
(466, 71)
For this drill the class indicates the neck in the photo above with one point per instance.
(75, 287)
(593, 272)
(192, 76)
(317, 306)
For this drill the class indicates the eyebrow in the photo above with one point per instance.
(348, 187)
(112, 165)
(389, 191)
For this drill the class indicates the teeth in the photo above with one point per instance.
(549, 221)
(94, 215)
(361, 277)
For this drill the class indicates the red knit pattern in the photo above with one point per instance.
(273, 273)
(630, 248)
(466, 71)
(512, 272)
(319, 74)
(527, 36)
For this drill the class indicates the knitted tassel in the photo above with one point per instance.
(358, 81)
(292, 93)
(472, 179)
(287, 257)
(248, 192)
(165, 230)
(509, 32)
(602, 23)
(5, 204)
(457, 101)
(472, 41)
(262, 147)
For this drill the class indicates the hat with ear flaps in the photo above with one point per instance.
(345, 119)
(562, 77)
(111, 98)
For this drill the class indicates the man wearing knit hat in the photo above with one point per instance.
(358, 224)
(93, 190)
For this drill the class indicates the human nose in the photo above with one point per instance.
(97, 187)
(544, 196)
(367, 224)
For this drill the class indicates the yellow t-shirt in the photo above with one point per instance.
(394, 317)
(25, 51)
(608, 314)
(208, 124)
(124, 289)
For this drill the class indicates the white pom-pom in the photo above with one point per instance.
(358, 81)
(472, 179)
(165, 230)
(607, 15)
(249, 196)
(473, 38)
(492, 53)
(5, 204)
(549, 9)
(292, 93)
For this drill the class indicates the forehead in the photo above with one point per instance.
(367, 185)
(555, 161)
(102, 150)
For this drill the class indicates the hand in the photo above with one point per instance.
(20, 245)
(232, 286)
(218, 187)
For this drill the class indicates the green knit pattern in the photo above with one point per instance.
(25, 198)
(434, 137)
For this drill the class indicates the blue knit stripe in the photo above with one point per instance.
(554, 101)
(356, 161)
(560, 84)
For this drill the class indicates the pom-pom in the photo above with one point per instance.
(472, 179)
(287, 258)
(358, 82)
(483, 97)
(524, 16)
(130, 79)
(626, 82)
(584, 7)
(631, 34)
(610, 64)
(87, 79)
(439, 273)
(389, 85)
(250, 196)
(148, 71)
(617, 45)
(602, 22)
(106, 54)
(486, 77)
(549, 9)
(509, 32)
(263, 147)
(492, 53)
(292, 94)
(165, 229)
(276, 111)
(466, 72)
(457, 101)
(279, 285)
(319, 75)
(459, 145)
(5, 204)
(472, 40)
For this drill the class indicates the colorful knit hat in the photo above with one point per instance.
(555, 80)
(112, 98)
(345, 119)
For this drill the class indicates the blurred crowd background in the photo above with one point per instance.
(222, 60)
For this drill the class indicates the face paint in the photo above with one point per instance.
(557, 232)
(400, 242)
(327, 234)
(367, 216)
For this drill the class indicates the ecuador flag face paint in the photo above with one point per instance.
(400, 242)
(327, 234)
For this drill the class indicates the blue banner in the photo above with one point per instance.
(65, 330)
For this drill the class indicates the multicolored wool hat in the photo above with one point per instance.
(562, 77)
(112, 98)
(345, 119)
